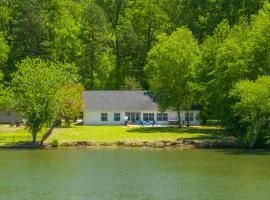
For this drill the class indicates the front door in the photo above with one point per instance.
(133, 117)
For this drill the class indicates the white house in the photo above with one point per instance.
(8, 117)
(114, 107)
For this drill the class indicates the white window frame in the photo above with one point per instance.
(117, 118)
(190, 115)
(148, 117)
(162, 117)
(103, 118)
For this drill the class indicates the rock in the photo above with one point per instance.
(159, 145)
(82, 143)
(120, 143)
(107, 144)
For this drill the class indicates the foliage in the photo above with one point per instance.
(202, 17)
(69, 100)
(131, 84)
(170, 70)
(34, 89)
(97, 56)
(4, 50)
(55, 143)
(253, 107)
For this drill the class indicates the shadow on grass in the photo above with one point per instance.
(206, 133)
(177, 130)
(19, 142)
(21, 145)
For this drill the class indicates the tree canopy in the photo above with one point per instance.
(253, 108)
(170, 71)
(35, 86)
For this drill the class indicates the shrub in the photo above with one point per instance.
(55, 143)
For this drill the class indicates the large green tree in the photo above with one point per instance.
(144, 20)
(230, 55)
(34, 89)
(64, 28)
(202, 17)
(170, 70)
(97, 58)
(4, 50)
(114, 10)
(69, 100)
(223, 63)
(253, 108)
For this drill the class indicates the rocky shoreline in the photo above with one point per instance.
(179, 143)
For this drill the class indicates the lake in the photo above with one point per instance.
(134, 174)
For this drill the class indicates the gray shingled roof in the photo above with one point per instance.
(118, 100)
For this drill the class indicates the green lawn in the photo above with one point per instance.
(114, 133)
(13, 135)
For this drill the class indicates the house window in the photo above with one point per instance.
(104, 117)
(148, 117)
(162, 117)
(116, 117)
(133, 116)
(189, 116)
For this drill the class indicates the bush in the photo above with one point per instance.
(55, 143)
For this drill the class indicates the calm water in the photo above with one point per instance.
(126, 174)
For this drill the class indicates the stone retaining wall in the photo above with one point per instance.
(179, 143)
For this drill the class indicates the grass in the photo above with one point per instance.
(114, 133)
(11, 135)
(117, 133)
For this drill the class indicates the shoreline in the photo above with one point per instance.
(162, 144)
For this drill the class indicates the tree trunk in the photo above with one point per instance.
(179, 118)
(118, 76)
(255, 136)
(92, 60)
(34, 138)
(49, 132)
(34, 132)
(67, 122)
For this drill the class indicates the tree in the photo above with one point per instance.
(223, 62)
(64, 29)
(258, 44)
(114, 10)
(97, 59)
(69, 100)
(144, 20)
(131, 84)
(28, 32)
(2, 92)
(253, 107)
(232, 54)
(4, 50)
(202, 17)
(34, 88)
(170, 70)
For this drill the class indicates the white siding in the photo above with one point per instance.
(7, 117)
(94, 117)
(174, 116)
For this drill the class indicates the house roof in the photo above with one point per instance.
(118, 100)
